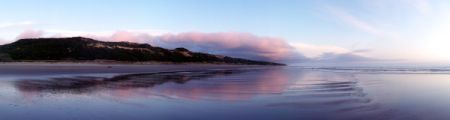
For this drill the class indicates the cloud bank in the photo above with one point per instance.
(314, 51)
(235, 44)
(30, 34)
(343, 57)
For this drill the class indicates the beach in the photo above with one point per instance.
(47, 68)
(205, 91)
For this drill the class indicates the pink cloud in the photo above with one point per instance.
(2, 41)
(130, 36)
(234, 44)
(30, 34)
(244, 45)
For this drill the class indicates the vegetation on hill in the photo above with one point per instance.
(79, 48)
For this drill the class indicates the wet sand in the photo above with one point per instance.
(223, 92)
(87, 68)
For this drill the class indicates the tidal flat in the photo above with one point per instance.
(196, 91)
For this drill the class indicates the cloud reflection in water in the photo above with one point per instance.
(168, 84)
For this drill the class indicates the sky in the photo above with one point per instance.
(277, 30)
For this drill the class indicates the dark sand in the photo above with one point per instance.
(31, 68)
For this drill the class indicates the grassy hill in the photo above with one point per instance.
(85, 49)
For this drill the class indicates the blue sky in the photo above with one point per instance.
(260, 17)
(401, 29)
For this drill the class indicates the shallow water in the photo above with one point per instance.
(266, 93)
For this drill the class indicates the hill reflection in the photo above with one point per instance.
(213, 85)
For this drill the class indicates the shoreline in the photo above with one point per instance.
(107, 62)
(55, 68)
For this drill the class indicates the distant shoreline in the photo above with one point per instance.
(59, 68)
(108, 62)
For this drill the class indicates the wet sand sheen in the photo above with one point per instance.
(219, 93)
(85, 68)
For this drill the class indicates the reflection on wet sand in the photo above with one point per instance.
(267, 93)
(213, 85)
(85, 84)
(233, 87)
(337, 95)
